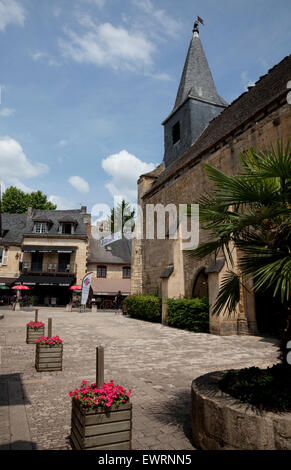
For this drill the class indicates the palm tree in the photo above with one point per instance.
(251, 212)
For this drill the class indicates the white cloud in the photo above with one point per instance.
(79, 183)
(6, 112)
(11, 12)
(63, 142)
(57, 11)
(38, 55)
(158, 18)
(63, 203)
(124, 170)
(15, 166)
(99, 3)
(44, 56)
(161, 76)
(246, 81)
(110, 46)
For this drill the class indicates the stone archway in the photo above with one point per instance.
(200, 285)
(270, 314)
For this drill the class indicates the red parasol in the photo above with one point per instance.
(20, 287)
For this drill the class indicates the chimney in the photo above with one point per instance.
(83, 209)
(89, 231)
(29, 214)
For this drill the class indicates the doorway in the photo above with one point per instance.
(270, 315)
(200, 286)
(36, 262)
(64, 262)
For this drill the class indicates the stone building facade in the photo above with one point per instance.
(49, 251)
(111, 267)
(257, 118)
(45, 251)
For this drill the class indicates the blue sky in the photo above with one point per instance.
(85, 84)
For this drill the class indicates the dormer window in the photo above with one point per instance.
(40, 227)
(67, 225)
(176, 132)
(67, 228)
(42, 223)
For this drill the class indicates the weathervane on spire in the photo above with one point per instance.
(196, 29)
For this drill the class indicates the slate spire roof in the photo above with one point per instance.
(197, 81)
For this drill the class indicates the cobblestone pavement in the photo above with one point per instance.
(158, 363)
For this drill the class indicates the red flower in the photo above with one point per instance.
(89, 396)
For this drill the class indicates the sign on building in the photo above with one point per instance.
(86, 283)
(110, 239)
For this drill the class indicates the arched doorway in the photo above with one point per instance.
(270, 315)
(200, 286)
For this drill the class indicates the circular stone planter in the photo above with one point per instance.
(221, 422)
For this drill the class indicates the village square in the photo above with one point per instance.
(162, 321)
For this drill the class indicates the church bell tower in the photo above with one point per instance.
(197, 103)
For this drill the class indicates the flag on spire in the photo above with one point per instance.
(200, 20)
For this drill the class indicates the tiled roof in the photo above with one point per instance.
(55, 216)
(15, 226)
(118, 252)
(41, 218)
(67, 218)
(167, 271)
(196, 80)
(267, 89)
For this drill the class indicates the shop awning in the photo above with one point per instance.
(47, 249)
(110, 286)
(7, 281)
(45, 281)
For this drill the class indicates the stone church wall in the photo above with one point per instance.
(154, 255)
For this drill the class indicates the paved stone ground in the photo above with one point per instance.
(158, 363)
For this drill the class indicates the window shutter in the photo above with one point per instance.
(5, 257)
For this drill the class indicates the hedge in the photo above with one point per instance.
(189, 314)
(144, 307)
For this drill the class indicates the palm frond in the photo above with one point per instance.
(274, 163)
(229, 293)
(240, 190)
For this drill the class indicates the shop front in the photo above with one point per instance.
(6, 293)
(106, 290)
(47, 290)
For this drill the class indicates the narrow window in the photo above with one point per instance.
(5, 257)
(126, 272)
(176, 132)
(40, 227)
(67, 229)
(101, 271)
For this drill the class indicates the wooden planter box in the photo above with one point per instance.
(33, 333)
(48, 358)
(97, 429)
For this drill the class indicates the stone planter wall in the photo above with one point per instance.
(99, 429)
(33, 333)
(48, 358)
(220, 422)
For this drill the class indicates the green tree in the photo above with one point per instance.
(38, 200)
(122, 218)
(251, 212)
(15, 201)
